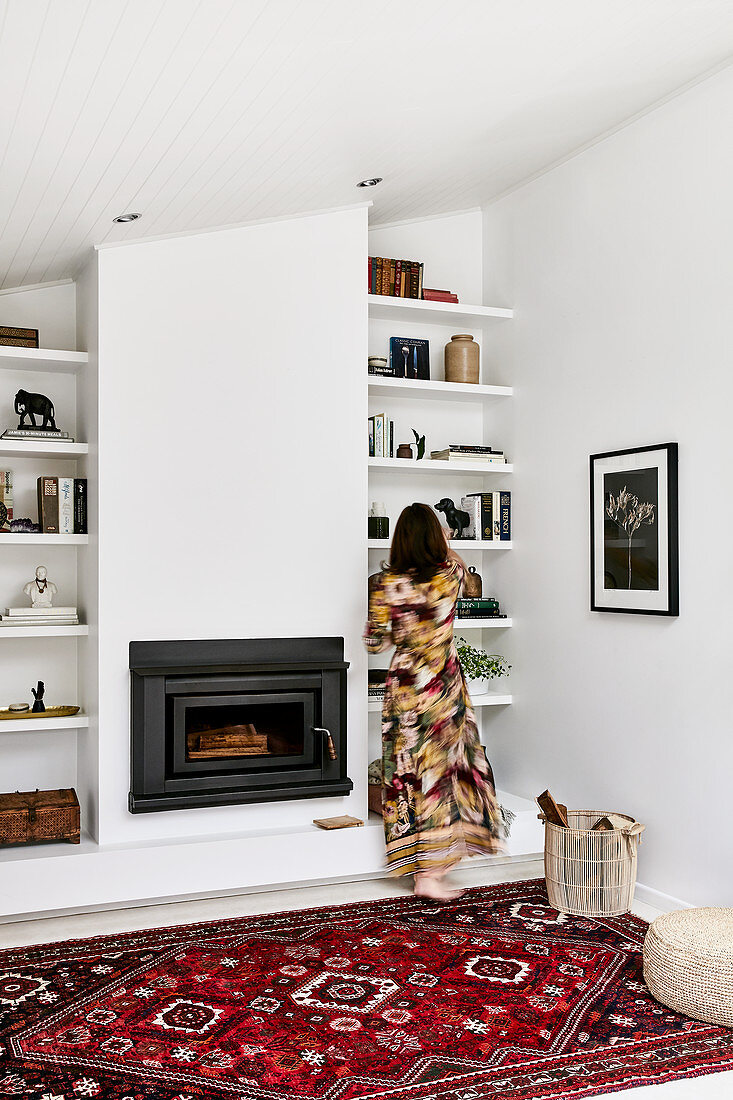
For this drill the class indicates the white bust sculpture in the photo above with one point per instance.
(41, 590)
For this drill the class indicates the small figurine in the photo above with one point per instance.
(41, 590)
(32, 405)
(456, 519)
(472, 584)
(39, 706)
(420, 441)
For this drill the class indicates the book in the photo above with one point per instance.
(51, 621)
(465, 603)
(66, 505)
(398, 278)
(6, 499)
(474, 448)
(476, 459)
(370, 422)
(485, 613)
(342, 822)
(505, 515)
(38, 612)
(439, 296)
(80, 506)
(480, 507)
(379, 435)
(36, 433)
(12, 337)
(48, 505)
(409, 358)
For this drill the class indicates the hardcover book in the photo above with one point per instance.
(409, 358)
(6, 499)
(80, 506)
(12, 337)
(48, 505)
(66, 506)
(480, 507)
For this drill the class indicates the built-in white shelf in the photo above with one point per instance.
(438, 466)
(457, 544)
(384, 307)
(480, 624)
(43, 631)
(38, 448)
(433, 390)
(13, 539)
(41, 359)
(39, 725)
(488, 699)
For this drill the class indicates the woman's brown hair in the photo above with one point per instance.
(418, 543)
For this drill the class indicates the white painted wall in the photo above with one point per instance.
(49, 308)
(620, 270)
(232, 396)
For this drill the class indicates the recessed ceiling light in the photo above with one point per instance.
(127, 218)
(370, 182)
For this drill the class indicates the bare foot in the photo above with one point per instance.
(430, 886)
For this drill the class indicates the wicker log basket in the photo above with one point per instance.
(591, 873)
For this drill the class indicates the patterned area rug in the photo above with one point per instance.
(495, 995)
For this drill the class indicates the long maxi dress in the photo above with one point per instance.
(438, 794)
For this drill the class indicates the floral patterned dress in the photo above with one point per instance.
(438, 792)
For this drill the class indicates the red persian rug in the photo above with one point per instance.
(495, 995)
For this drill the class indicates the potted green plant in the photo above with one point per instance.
(479, 666)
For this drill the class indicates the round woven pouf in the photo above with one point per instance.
(688, 963)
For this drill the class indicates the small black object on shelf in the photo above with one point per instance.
(38, 706)
(33, 405)
(456, 518)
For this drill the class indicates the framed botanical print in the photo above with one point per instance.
(634, 531)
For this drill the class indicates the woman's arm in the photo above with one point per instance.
(377, 636)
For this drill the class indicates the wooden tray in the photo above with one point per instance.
(49, 712)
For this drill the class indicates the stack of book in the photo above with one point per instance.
(38, 434)
(13, 337)
(470, 452)
(400, 278)
(39, 616)
(381, 436)
(6, 499)
(62, 505)
(439, 296)
(479, 609)
(490, 515)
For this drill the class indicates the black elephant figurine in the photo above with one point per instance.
(33, 405)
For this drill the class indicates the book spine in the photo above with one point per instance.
(66, 505)
(371, 436)
(369, 279)
(48, 505)
(392, 271)
(419, 281)
(6, 499)
(397, 277)
(379, 436)
(414, 280)
(80, 506)
(391, 439)
(495, 515)
(505, 515)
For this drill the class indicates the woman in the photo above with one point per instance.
(438, 794)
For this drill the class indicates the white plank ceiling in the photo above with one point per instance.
(201, 113)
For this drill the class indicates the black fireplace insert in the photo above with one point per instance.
(233, 721)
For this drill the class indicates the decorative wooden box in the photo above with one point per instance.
(38, 817)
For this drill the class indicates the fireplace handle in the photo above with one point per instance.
(330, 747)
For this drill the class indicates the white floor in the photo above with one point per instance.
(716, 1086)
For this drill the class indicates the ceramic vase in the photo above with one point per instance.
(462, 359)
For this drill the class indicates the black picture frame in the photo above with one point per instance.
(634, 531)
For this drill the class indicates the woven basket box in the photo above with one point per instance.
(38, 817)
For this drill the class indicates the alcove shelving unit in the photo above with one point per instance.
(19, 663)
(446, 412)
